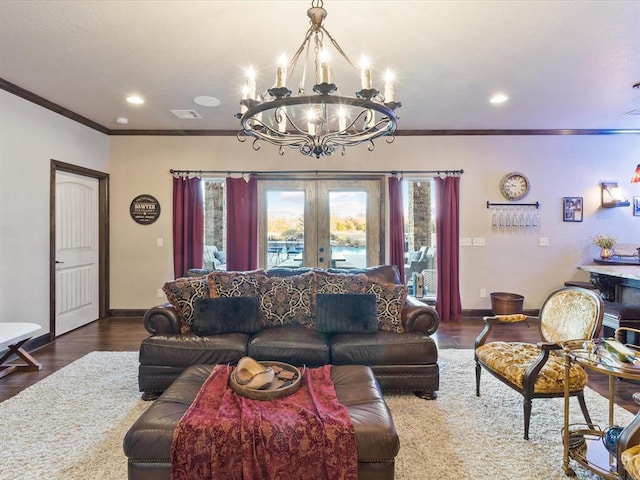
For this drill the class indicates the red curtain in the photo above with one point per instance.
(242, 223)
(396, 225)
(188, 224)
(447, 258)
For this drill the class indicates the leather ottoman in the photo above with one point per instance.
(147, 444)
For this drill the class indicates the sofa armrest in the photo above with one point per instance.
(162, 319)
(418, 317)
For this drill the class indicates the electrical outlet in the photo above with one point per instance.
(544, 241)
(159, 293)
(483, 292)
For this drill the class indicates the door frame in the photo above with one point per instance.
(103, 238)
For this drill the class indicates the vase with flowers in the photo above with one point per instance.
(606, 243)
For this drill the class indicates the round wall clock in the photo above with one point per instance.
(514, 186)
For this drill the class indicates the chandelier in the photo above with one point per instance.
(317, 124)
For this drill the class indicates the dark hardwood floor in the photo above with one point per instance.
(125, 334)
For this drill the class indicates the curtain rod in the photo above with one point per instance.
(316, 172)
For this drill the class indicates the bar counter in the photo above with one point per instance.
(617, 283)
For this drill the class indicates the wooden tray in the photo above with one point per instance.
(275, 390)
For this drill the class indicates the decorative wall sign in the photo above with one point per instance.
(636, 207)
(144, 209)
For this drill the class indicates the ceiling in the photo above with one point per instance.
(564, 64)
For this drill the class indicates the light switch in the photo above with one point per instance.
(479, 241)
(159, 242)
(465, 242)
(544, 241)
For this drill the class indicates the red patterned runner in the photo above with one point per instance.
(307, 435)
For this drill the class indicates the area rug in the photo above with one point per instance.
(70, 426)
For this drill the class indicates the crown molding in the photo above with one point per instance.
(54, 107)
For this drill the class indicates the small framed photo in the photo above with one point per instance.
(636, 206)
(572, 209)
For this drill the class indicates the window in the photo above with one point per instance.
(420, 235)
(215, 219)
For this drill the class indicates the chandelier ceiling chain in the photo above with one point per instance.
(319, 124)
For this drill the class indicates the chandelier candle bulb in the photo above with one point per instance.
(324, 73)
(251, 83)
(281, 73)
(366, 79)
(389, 88)
(365, 74)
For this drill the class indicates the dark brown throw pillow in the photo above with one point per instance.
(226, 315)
(346, 313)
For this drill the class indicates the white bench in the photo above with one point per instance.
(14, 335)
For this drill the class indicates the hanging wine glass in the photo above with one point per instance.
(535, 218)
(527, 218)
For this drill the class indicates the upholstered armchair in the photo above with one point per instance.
(536, 370)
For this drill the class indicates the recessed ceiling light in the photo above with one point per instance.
(498, 98)
(135, 99)
(207, 101)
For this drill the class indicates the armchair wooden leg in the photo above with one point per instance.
(527, 417)
(478, 372)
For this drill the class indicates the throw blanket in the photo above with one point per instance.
(307, 435)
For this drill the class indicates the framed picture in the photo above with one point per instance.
(636, 206)
(572, 209)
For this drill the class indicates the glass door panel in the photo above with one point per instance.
(348, 229)
(285, 227)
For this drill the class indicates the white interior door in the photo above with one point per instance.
(77, 251)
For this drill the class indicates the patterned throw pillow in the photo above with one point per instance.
(287, 300)
(182, 293)
(235, 284)
(390, 298)
(341, 282)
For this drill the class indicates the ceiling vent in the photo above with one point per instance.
(186, 114)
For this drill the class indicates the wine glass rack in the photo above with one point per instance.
(514, 215)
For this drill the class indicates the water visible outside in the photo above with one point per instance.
(354, 257)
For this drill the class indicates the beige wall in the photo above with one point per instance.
(557, 166)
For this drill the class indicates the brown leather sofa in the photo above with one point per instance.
(404, 361)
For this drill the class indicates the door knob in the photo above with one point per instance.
(322, 249)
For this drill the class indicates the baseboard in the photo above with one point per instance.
(126, 313)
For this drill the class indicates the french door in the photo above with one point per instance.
(325, 222)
